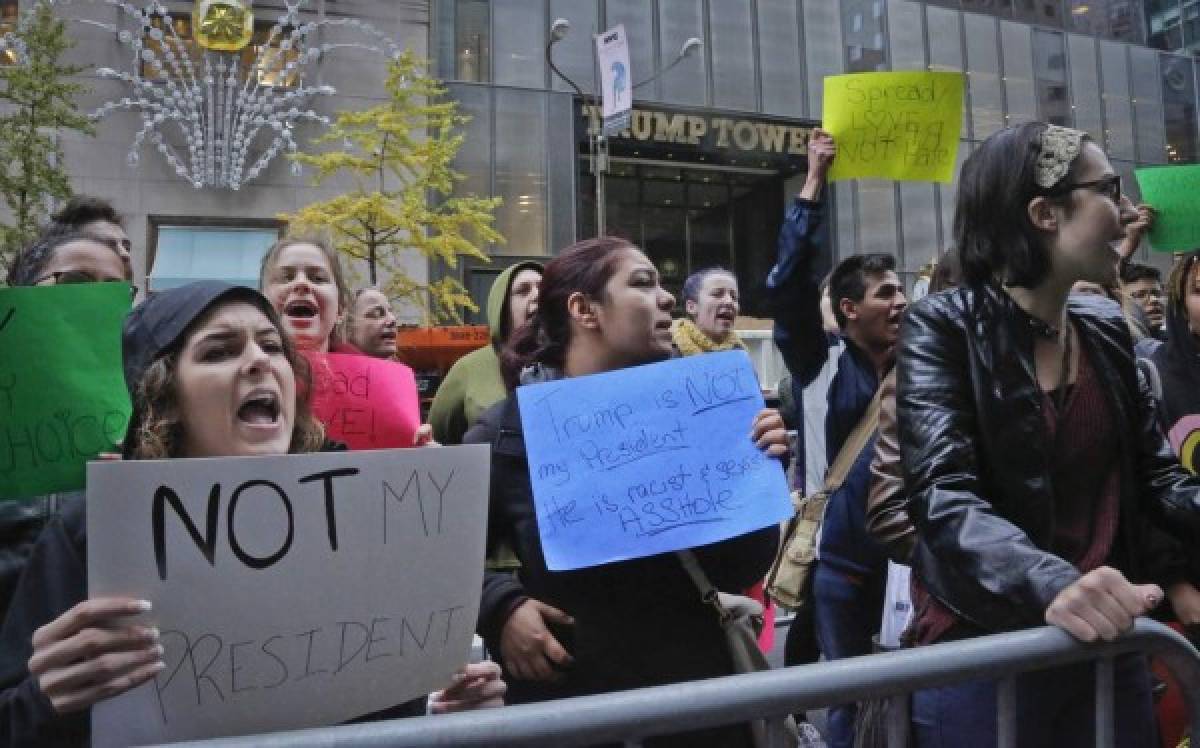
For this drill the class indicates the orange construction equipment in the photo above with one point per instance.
(431, 351)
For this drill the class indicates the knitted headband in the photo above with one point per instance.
(1057, 148)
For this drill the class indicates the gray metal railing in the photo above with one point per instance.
(629, 716)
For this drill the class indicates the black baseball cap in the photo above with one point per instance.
(159, 325)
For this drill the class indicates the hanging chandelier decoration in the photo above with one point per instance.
(218, 99)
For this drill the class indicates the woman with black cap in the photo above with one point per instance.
(211, 374)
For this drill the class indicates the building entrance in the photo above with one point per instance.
(696, 190)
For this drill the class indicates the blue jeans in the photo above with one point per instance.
(848, 611)
(1054, 708)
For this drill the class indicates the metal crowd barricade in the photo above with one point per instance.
(631, 716)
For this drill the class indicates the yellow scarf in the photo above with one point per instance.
(690, 339)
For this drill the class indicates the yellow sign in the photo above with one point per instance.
(901, 126)
(223, 25)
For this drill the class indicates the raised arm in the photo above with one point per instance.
(793, 286)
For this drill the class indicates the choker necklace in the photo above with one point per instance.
(1043, 329)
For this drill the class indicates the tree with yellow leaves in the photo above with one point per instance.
(399, 155)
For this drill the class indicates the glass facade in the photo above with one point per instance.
(1119, 69)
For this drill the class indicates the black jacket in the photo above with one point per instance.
(974, 450)
(638, 622)
(21, 520)
(53, 580)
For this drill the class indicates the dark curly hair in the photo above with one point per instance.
(584, 267)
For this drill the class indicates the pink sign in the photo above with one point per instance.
(366, 402)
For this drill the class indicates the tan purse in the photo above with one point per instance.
(741, 620)
(791, 573)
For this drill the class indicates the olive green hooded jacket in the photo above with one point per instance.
(474, 383)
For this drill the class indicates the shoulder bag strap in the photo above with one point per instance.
(853, 446)
(708, 593)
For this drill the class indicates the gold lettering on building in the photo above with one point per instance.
(691, 129)
(745, 136)
(669, 127)
(642, 123)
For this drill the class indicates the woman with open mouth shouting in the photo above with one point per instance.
(211, 374)
(305, 284)
(710, 298)
(303, 279)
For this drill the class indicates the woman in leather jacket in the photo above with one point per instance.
(1029, 444)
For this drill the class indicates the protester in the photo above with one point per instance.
(710, 299)
(625, 624)
(371, 323)
(1175, 370)
(57, 258)
(61, 257)
(1135, 231)
(304, 281)
(887, 504)
(1028, 449)
(97, 217)
(474, 383)
(211, 374)
(1143, 285)
(867, 300)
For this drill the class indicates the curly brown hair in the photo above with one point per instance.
(160, 430)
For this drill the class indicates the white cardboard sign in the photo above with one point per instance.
(290, 591)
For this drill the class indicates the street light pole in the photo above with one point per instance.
(597, 140)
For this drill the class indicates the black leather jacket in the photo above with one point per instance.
(974, 450)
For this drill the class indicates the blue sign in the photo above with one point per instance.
(649, 459)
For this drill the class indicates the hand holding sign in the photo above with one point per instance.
(1172, 192)
(92, 652)
(290, 591)
(901, 125)
(368, 403)
(650, 459)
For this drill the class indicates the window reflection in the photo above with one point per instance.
(862, 32)
(1050, 75)
(1044, 12)
(1115, 19)
(1179, 107)
(8, 24)
(472, 41)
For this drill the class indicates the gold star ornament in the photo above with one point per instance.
(223, 25)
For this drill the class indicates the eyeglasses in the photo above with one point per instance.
(1147, 293)
(70, 277)
(1109, 186)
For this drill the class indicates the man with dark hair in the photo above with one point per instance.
(834, 378)
(97, 217)
(1143, 284)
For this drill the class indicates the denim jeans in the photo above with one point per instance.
(848, 611)
(1054, 708)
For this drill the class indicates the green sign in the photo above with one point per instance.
(1172, 191)
(62, 391)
